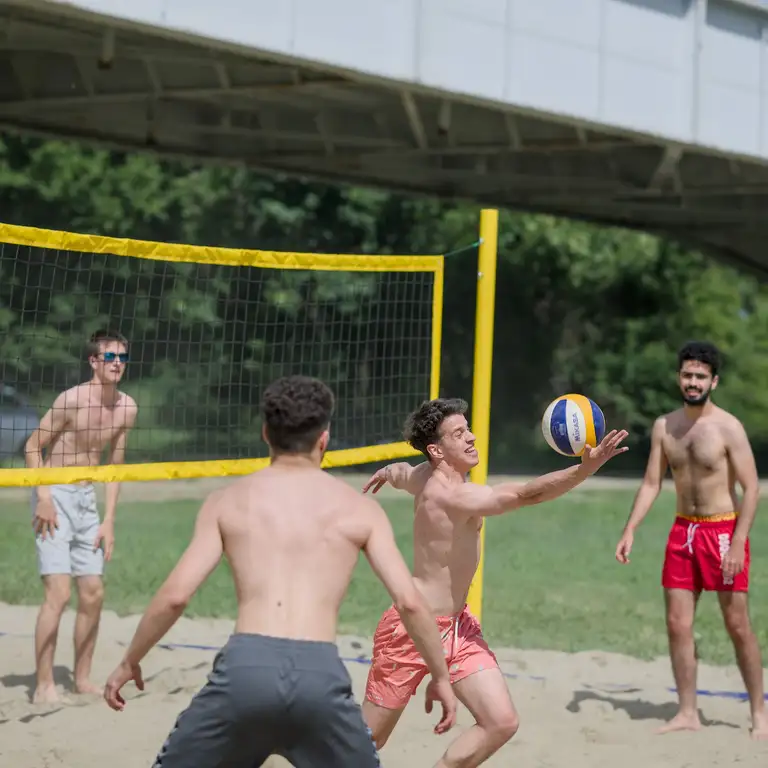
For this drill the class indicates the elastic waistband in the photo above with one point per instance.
(244, 649)
(448, 618)
(704, 519)
(275, 640)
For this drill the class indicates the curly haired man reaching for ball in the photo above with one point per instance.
(449, 513)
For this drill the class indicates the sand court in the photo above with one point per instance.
(585, 710)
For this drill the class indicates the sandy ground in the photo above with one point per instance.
(586, 710)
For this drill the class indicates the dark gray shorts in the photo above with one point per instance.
(272, 696)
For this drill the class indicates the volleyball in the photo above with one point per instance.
(571, 422)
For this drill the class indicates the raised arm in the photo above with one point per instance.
(399, 475)
(389, 566)
(485, 501)
(743, 462)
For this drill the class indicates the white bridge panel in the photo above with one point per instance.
(690, 71)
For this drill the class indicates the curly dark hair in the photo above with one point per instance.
(295, 411)
(423, 425)
(701, 351)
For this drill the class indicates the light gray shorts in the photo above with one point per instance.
(70, 550)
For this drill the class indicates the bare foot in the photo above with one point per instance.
(46, 694)
(759, 730)
(87, 687)
(682, 721)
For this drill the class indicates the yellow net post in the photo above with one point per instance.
(481, 385)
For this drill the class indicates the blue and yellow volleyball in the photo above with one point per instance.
(571, 422)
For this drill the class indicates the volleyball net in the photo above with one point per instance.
(208, 329)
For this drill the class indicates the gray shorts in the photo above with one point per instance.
(70, 550)
(272, 696)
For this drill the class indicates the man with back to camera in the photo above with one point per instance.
(708, 451)
(292, 535)
(449, 513)
(70, 539)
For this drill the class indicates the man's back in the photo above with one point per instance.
(292, 537)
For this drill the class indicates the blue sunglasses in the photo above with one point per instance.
(110, 357)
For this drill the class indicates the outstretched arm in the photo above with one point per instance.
(485, 501)
(193, 568)
(196, 564)
(389, 566)
(399, 475)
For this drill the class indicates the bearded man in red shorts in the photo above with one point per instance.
(449, 513)
(708, 546)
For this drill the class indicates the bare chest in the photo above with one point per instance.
(95, 425)
(701, 447)
(434, 528)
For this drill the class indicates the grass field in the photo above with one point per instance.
(551, 581)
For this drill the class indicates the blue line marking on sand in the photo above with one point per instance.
(365, 660)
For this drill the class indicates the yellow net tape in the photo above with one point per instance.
(209, 328)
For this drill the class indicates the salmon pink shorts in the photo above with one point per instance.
(694, 556)
(397, 668)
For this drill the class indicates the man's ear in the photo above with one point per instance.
(435, 452)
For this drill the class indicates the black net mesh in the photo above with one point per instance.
(204, 342)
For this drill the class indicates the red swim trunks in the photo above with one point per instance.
(397, 668)
(694, 556)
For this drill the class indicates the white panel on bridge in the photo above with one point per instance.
(690, 71)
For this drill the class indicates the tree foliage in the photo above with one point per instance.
(579, 308)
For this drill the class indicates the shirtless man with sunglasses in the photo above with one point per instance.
(70, 539)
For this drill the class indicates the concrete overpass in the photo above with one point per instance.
(650, 114)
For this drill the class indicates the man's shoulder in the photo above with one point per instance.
(667, 421)
(72, 396)
(127, 401)
(449, 495)
(728, 422)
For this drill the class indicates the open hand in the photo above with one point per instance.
(442, 691)
(594, 458)
(45, 520)
(377, 481)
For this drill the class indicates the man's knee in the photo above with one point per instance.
(503, 727)
(679, 621)
(90, 590)
(737, 622)
(56, 591)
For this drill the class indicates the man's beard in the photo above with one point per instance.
(696, 398)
